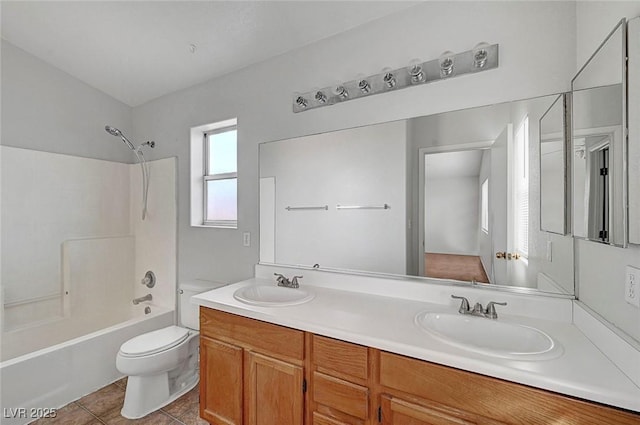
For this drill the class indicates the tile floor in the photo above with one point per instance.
(102, 407)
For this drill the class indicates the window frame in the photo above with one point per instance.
(522, 175)
(207, 177)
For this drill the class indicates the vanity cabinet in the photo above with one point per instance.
(251, 372)
(418, 392)
(339, 382)
(254, 372)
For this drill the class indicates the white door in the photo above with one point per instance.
(500, 205)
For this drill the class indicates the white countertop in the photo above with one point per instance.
(387, 323)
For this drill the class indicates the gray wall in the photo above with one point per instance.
(46, 109)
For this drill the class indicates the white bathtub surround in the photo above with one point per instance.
(156, 235)
(96, 293)
(79, 221)
(55, 376)
(383, 318)
(48, 199)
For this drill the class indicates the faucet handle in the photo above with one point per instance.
(281, 279)
(294, 281)
(464, 306)
(490, 311)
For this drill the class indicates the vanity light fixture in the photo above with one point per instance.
(446, 64)
(482, 57)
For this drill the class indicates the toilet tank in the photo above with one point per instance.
(189, 316)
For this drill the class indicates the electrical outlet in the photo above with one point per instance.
(632, 286)
(246, 239)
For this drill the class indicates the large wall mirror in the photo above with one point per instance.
(458, 191)
(599, 151)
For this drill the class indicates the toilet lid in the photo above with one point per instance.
(155, 341)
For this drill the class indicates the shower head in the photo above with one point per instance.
(112, 131)
(115, 132)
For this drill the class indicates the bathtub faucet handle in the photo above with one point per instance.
(147, 297)
(149, 279)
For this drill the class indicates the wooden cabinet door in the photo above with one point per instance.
(396, 411)
(221, 382)
(273, 391)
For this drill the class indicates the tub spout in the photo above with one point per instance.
(147, 297)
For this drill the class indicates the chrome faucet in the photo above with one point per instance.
(285, 282)
(477, 310)
(147, 297)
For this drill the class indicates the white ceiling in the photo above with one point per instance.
(453, 164)
(136, 51)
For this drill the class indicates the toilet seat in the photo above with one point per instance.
(154, 342)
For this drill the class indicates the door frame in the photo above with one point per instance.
(422, 152)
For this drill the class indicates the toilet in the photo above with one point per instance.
(162, 365)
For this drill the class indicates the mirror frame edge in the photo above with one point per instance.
(566, 161)
(633, 127)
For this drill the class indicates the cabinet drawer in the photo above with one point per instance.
(255, 335)
(398, 411)
(339, 356)
(490, 397)
(341, 395)
(320, 419)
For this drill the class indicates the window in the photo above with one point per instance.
(484, 208)
(521, 180)
(214, 175)
(221, 177)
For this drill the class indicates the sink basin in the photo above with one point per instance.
(490, 337)
(272, 296)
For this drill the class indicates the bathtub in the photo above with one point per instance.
(52, 377)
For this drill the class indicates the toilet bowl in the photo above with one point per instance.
(162, 365)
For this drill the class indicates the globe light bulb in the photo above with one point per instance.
(388, 78)
(480, 55)
(416, 73)
(446, 64)
(341, 92)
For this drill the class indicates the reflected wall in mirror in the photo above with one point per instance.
(553, 169)
(458, 191)
(598, 145)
